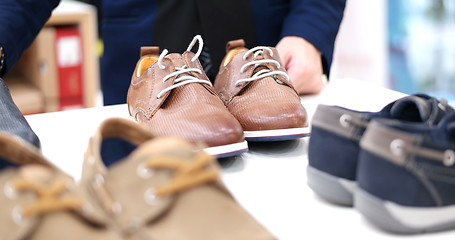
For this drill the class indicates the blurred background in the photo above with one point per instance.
(405, 45)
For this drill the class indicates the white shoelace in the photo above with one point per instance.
(264, 72)
(180, 81)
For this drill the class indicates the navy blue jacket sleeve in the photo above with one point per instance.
(317, 21)
(20, 23)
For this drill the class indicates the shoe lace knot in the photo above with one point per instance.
(256, 51)
(188, 77)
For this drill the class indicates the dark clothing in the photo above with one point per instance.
(21, 21)
(315, 20)
(11, 119)
(129, 24)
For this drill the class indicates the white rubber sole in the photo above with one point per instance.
(228, 150)
(404, 219)
(276, 134)
(333, 189)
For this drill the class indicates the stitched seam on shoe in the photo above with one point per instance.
(417, 171)
(442, 174)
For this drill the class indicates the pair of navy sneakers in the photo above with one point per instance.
(396, 166)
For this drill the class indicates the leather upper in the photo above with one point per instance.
(264, 104)
(192, 111)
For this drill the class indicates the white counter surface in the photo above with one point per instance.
(269, 180)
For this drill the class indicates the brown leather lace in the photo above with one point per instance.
(49, 197)
(187, 174)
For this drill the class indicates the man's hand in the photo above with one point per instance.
(303, 63)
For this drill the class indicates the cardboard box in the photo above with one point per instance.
(37, 65)
(26, 96)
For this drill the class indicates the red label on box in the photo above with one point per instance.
(69, 67)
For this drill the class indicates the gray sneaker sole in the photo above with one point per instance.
(333, 189)
(401, 219)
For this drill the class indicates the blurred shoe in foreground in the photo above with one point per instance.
(162, 188)
(40, 201)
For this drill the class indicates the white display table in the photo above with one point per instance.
(269, 180)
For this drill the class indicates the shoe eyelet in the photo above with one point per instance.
(91, 160)
(345, 120)
(117, 208)
(441, 106)
(98, 180)
(144, 172)
(9, 191)
(277, 80)
(17, 216)
(449, 158)
(396, 147)
(87, 209)
(150, 197)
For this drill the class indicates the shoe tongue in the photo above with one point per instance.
(259, 68)
(160, 147)
(412, 109)
(176, 59)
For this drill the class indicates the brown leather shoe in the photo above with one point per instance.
(39, 201)
(171, 94)
(256, 89)
(163, 189)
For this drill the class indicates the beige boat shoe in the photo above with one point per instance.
(164, 189)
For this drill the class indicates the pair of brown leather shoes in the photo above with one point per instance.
(160, 188)
(252, 98)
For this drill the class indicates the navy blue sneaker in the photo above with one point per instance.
(335, 135)
(406, 176)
